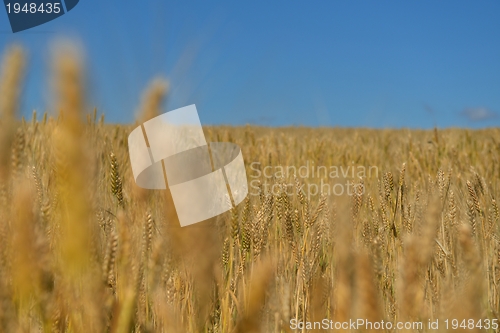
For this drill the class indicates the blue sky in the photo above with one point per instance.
(318, 63)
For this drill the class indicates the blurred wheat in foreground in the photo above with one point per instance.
(84, 250)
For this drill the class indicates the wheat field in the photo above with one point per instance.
(83, 249)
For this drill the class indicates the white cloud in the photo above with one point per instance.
(478, 114)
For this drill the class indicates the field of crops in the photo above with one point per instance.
(83, 249)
